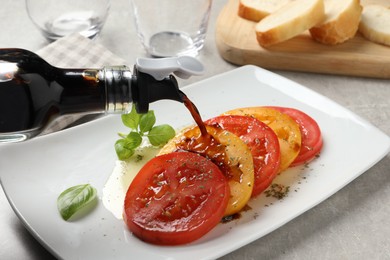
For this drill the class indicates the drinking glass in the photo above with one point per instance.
(169, 28)
(56, 19)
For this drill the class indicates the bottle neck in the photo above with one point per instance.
(96, 90)
(117, 83)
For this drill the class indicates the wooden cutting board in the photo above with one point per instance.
(236, 42)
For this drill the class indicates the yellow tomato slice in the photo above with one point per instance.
(239, 157)
(284, 127)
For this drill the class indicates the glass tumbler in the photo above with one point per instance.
(57, 19)
(170, 28)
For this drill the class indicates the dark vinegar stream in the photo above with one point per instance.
(208, 145)
(207, 142)
(195, 114)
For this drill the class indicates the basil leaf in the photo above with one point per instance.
(147, 121)
(133, 140)
(161, 134)
(73, 199)
(131, 119)
(141, 125)
(123, 150)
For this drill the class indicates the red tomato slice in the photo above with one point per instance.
(176, 198)
(284, 127)
(310, 132)
(261, 140)
(228, 152)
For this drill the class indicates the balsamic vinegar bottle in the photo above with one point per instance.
(33, 93)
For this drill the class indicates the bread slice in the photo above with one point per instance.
(341, 22)
(255, 10)
(290, 20)
(375, 24)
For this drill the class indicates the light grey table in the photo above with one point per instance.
(352, 224)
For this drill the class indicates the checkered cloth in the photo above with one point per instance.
(76, 51)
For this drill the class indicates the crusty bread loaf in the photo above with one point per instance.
(255, 10)
(375, 24)
(341, 23)
(290, 20)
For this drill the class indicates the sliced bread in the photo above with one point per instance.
(290, 20)
(375, 24)
(255, 10)
(341, 22)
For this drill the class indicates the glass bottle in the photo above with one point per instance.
(33, 93)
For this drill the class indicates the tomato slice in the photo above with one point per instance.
(176, 198)
(286, 129)
(310, 132)
(229, 152)
(262, 142)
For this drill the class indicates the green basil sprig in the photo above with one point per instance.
(75, 198)
(141, 125)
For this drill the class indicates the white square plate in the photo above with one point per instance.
(34, 173)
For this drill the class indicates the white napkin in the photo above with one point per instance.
(76, 51)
